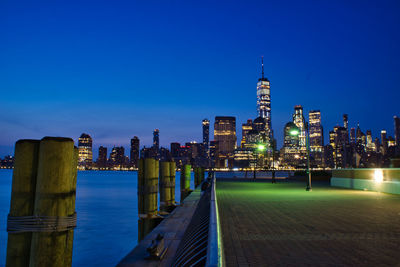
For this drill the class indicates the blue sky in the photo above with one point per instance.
(116, 69)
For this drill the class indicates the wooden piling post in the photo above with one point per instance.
(185, 181)
(150, 186)
(22, 199)
(165, 193)
(147, 195)
(199, 173)
(53, 198)
(154, 183)
(172, 169)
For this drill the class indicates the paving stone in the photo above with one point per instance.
(266, 224)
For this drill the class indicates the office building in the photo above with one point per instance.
(346, 121)
(156, 139)
(346, 126)
(290, 150)
(298, 120)
(264, 102)
(384, 146)
(206, 133)
(214, 152)
(175, 149)
(117, 157)
(246, 127)
(134, 155)
(85, 154)
(102, 158)
(370, 146)
(353, 135)
(316, 138)
(397, 133)
(337, 140)
(225, 134)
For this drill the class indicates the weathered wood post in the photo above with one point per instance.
(185, 181)
(147, 195)
(53, 202)
(22, 199)
(70, 236)
(164, 184)
(172, 169)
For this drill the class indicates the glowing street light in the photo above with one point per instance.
(261, 147)
(294, 132)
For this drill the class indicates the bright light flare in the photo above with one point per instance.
(261, 147)
(294, 132)
(378, 177)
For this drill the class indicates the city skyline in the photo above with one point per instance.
(96, 145)
(103, 73)
(315, 141)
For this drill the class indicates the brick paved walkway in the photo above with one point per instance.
(266, 224)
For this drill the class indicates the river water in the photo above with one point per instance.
(106, 204)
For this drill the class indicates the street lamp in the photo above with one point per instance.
(260, 148)
(295, 132)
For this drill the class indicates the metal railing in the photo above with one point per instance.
(215, 255)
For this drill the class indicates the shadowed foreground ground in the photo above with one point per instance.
(266, 224)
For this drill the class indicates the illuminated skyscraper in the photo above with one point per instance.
(156, 139)
(117, 156)
(316, 130)
(246, 128)
(346, 121)
(377, 145)
(214, 152)
(85, 156)
(337, 140)
(298, 120)
(291, 152)
(264, 101)
(206, 133)
(353, 135)
(360, 137)
(384, 142)
(346, 126)
(370, 143)
(316, 137)
(134, 159)
(225, 135)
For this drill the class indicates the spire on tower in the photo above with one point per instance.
(262, 67)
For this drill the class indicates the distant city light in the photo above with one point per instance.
(294, 132)
(261, 147)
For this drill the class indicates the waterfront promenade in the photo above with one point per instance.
(266, 224)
